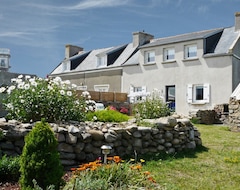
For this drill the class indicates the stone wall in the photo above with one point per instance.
(234, 114)
(81, 142)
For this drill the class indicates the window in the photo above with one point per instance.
(169, 54)
(66, 66)
(190, 51)
(100, 61)
(137, 93)
(149, 57)
(101, 88)
(2, 63)
(199, 93)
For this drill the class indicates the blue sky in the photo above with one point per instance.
(36, 32)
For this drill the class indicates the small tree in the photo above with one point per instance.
(40, 159)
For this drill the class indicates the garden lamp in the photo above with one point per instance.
(105, 150)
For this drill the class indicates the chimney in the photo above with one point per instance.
(71, 50)
(140, 38)
(237, 21)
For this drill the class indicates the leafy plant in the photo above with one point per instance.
(107, 115)
(31, 99)
(153, 107)
(40, 158)
(9, 168)
(113, 175)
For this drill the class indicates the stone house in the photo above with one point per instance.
(193, 71)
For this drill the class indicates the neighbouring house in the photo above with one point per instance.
(5, 74)
(193, 71)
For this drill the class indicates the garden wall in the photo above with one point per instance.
(234, 114)
(81, 142)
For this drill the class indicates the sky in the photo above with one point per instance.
(36, 32)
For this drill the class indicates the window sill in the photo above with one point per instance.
(169, 61)
(150, 63)
(190, 59)
(198, 103)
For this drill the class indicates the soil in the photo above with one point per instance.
(14, 185)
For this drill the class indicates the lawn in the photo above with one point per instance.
(216, 165)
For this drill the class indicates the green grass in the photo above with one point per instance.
(215, 165)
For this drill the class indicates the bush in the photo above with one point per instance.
(153, 107)
(31, 99)
(9, 168)
(107, 115)
(40, 159)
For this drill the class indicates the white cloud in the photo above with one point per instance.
(87, 4)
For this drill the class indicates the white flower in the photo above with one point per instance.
(27, 77)
(21, 85)
(69, 93)
(18, 81)
(33, 83)
(90, 108)
(89, 97)
(74, 86)
(26, 86)
(50, 87)
(94, 118)
(13, 80)
(2, 89)
(22, 101)
(62, 92)
(20, 76)
(9, 106)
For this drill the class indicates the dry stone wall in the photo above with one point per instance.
(81, 142)
(234, 114)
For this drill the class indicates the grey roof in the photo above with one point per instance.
(226, 41)
(182, 37)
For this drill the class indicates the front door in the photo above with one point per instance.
(170, 97)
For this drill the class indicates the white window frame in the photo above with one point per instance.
(66, 66)
(192, 93)
(190, 51)
(168, 54)
(101, 61)
(101, 88)
(138, 93)
(149, 57)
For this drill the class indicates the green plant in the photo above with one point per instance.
(151, 108)
(113, 175)
(40, 158)
(9, 168)
(31, 99)
(107, 115)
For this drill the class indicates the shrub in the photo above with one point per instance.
(107, 116)
(40, 159)
(153, 107)
(31, 99)
(9, 168)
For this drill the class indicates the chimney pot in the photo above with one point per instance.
(237, 21)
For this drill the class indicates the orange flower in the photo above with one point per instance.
(117, 159)
(151, 179)
(81, 168)
(146, 173)
(110, 158)
(137, 167)
(73, 169)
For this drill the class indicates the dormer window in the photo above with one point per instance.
(65, 66)
(101, 61)
(149, 57)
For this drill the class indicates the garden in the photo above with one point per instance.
(214, 165)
